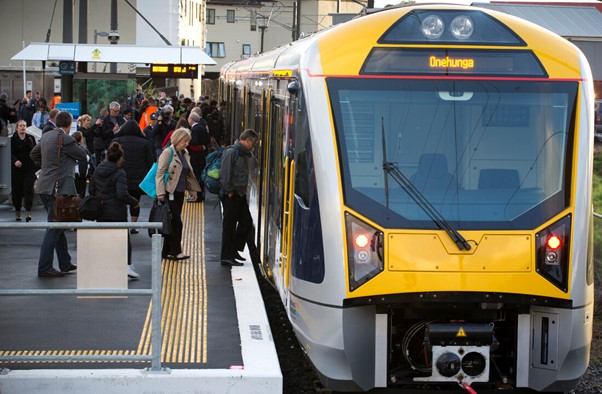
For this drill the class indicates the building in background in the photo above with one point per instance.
(240, 28)
(226, 30)
(179, 22)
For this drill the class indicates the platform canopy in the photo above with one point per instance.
(114, 53)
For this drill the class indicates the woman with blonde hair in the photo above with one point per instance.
(175, 161)
(84, 125)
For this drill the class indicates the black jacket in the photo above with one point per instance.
(103, 135)
(137, 154)
(110, 184)
(88, 137)
(20, 150)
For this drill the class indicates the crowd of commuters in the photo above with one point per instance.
(110, 155)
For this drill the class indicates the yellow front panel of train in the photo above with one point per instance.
(431, 253)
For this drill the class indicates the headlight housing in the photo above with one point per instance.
(364, 251)
(552, 248)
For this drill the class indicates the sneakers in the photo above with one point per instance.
(28, 217)
(131, 273)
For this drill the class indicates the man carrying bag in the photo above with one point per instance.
(56, 177)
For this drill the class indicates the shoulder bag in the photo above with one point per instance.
(148, 184)
(65, 208)
(91, 205)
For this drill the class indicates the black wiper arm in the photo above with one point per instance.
(391, 168)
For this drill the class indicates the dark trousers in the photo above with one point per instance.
(236, 225)
(54, 240)
(22, 189)
(172, 244)
(80, 186)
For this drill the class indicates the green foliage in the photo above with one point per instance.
(597, 184)
(100, 92)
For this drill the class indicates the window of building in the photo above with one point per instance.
(210, 16)
(230, 16)
(215, 49)
(246, 49)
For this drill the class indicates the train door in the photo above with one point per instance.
(289, 188)
(262, 155)
(272, 196)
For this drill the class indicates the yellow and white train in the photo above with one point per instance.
(423, 200)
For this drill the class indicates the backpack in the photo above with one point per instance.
(210, 175)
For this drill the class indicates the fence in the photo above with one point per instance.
(154, 292)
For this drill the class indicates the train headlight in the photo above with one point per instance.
(552, 248)
(461, 27)
(364, 251)
(433, 27)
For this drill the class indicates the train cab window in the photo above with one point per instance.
(503, 146)
(307, 261)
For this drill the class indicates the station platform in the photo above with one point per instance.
(215, 333)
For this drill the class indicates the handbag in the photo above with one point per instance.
(91, 205)
(148, 184)
(160, 213)
(65, 208)
(89, 208)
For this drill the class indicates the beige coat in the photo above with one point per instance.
(175, 170)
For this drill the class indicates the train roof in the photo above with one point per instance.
(344, 48)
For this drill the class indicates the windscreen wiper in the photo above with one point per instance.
(392, 169)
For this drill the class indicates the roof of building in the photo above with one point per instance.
(114, 53)
(573, 21)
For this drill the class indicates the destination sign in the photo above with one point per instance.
(174, 70)
(452, 61)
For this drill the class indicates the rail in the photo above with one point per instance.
(154, 292)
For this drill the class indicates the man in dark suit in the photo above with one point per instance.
(59, 169)
(51, 124)
(198, 147)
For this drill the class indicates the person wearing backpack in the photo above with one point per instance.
(237, 222)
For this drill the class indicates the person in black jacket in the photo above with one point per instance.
(138, 159)
(23, 174)
(198, 147)
(83, 168)
(109, 183)
(106, 132)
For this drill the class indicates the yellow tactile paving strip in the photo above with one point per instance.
(184, 301)
(184, 298)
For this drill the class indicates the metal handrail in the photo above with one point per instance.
(154, 291)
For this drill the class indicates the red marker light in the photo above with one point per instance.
(553, 242)
(361, 240)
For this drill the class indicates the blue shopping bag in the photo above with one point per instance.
(148, 184)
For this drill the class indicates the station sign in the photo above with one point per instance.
(174, 70)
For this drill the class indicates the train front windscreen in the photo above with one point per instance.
(480, 154)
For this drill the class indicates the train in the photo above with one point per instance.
(422, 198)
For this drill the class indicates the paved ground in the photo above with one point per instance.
(68, 323)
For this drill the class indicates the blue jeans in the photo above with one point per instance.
(54, 239)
